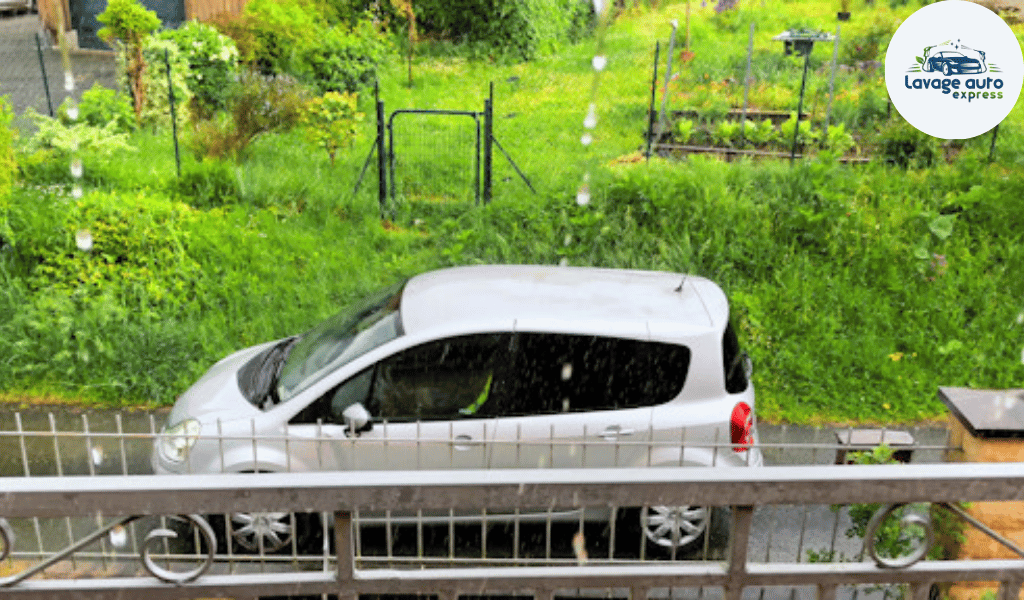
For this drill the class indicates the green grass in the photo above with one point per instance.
(857, 290)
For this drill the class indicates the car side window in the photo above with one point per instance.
(554, 373)
(328, 408)
(440, 380)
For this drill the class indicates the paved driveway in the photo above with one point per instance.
(21, 76)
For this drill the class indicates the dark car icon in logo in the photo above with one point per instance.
(953, 58)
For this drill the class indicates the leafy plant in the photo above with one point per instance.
(806, 135)
(726, 132)
(130, 23)
(683, 130)
(212, 60)
(906, 146)
(761, 133)
(839, 140)
(53, 135)
(256, 105)
(8, 164)
(330, 121)
(101, 106)
(342, 59)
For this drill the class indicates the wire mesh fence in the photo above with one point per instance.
(34, 76)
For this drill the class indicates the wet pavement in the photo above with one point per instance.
(21, 76)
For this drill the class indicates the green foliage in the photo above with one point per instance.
(272, 30)
(867, 43)
(129, 24)
(208, 184)
(156, 110)
(340, 59)
(839, 140)
(8, 163)
(126, 21)
(906, 146)
(761, 133)
(806, 135)
(523, 29)
(256, 105)
(100, 107)
(683, 130)
(212, 60)
(56, 136)
(727, 132)
(330, 121)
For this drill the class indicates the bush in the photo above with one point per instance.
(903, 144)
(257, 105)
(521, 28)
(100, 106)
(212, 60)
(270, 31)
(342, 59)
(56, 137)
(330, 121)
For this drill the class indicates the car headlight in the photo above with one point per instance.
(178, 439)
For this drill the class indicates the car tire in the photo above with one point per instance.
(946, 69)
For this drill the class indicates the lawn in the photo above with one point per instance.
(857, 290)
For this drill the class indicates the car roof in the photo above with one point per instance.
(627, 303)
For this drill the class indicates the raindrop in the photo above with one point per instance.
(69, 81)
(83, 239)
(73, 112)
(118, 537)
(583, 195)
(591, 121)
(76, 168)
(566, 371)
(564, 262)
(579, 547)
(1022, 356)
(76, 192)
(598, 6)
(586, 139)
(97, 452)
(599, 62)
(1020, 319)
(567, 240)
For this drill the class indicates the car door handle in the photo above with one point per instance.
(614, 432)
(462, 442)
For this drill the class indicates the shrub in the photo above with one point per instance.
(129, 23)
(156, 110)
(272, 30)
(806, 134)
(330, 121)
(53, 135)
(903, 144)
(342, 59)
(212, 60)
(683, 130)
(761, 133)
(256, 105)
(100, 106)
(521, 28)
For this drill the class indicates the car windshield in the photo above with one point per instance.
(338, 340)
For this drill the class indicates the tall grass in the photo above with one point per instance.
(857, 290)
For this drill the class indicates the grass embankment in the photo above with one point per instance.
(857, 290)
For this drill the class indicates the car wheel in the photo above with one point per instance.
(674, 526)
(926, 66)
(272, 532)
(946, 70)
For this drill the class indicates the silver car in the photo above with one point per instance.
(484, 367)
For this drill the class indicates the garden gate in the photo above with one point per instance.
(435, 154)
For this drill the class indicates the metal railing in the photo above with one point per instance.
(342, 494)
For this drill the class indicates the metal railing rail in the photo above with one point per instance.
(343, 493)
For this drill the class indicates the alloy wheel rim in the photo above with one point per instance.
(678, 526)
(268, 532)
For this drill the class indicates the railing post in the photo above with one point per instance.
(488, 143)
(739, 542)
(382, 165)
(344, 549)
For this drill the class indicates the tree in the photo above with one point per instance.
(129, 23)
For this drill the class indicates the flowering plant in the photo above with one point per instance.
(212, 60)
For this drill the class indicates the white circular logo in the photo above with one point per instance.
(954, 69)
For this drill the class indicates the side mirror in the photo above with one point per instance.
(357, 419)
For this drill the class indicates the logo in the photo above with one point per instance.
(954, 69)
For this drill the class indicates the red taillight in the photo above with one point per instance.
(741, 427)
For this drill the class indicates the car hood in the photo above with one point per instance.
(216, 394)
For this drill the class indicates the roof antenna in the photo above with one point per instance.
(681, 284)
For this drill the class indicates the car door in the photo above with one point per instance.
(566, 403)
(422, 404)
